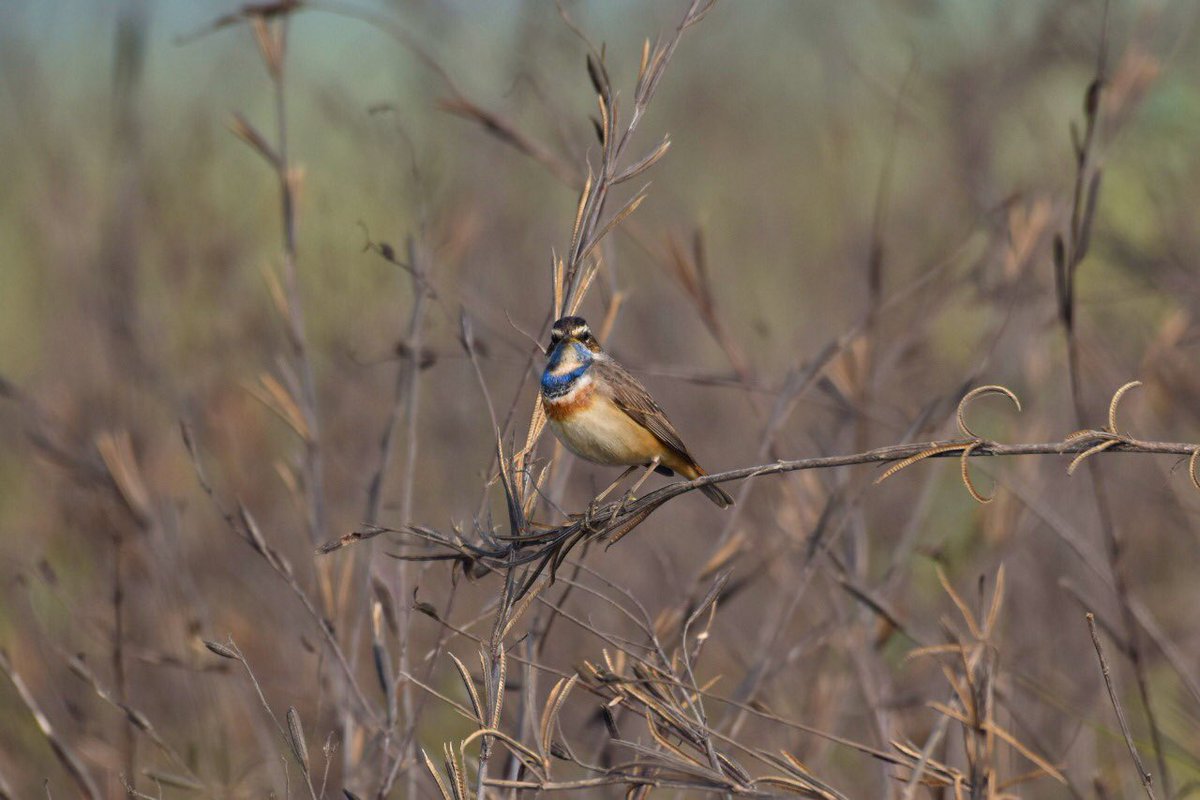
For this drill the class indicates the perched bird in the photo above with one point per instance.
(603, 414)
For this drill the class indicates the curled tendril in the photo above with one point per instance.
(1112, 406)
(966, 475)
(1107, 437)
(1091, 451)
(979, 391)
(933, 451)
(975, 441)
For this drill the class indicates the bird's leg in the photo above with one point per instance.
(600, 497)
(630, 495)
(594, 505)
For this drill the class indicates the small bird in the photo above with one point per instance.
(603, 414)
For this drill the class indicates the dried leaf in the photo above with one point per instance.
(458, 778)
(1015, 743)
(274, 396)
(997, 603)
(619, 217)
(598, 75)
(116, 450)
(520, 609)
(577, 229)
(554, 702)
(652, 158)
(269, 45)
(501, 677)
(963, 608)
(250, 135)
(472, 694)
(437, 776)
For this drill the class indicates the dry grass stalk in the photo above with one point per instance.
(1143, 775)
(971, 669)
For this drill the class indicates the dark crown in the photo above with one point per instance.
(569, 327)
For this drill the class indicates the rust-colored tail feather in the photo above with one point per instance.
(712, 491)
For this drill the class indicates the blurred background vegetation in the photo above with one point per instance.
(814, 145)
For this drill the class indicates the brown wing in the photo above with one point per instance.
(632, 398)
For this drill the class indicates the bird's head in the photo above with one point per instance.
(572, 350)
(573, 329)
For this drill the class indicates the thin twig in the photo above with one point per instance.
(1143, 775)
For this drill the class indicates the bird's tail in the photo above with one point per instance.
(712, 491)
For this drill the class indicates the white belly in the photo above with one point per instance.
(606, 435)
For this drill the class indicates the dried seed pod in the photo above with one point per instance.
(296, 737)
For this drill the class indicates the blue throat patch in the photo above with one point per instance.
(558, 385)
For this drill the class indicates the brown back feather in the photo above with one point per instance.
(631, 397)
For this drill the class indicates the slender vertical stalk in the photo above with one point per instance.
(1069, 254)
(417, 258)
(297, 331)
(403, 415)
(128, 743)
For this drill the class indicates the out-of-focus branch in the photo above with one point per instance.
(243, 525)
(69, 759)
(1069, 253)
